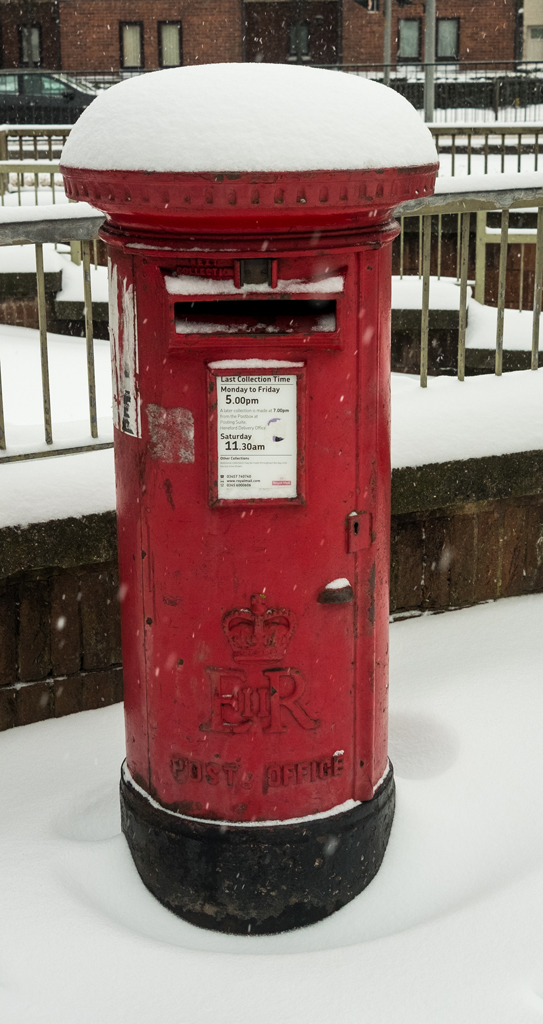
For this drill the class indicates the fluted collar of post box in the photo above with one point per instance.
(248, 117)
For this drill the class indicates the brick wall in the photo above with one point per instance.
(90, 38)
(452, 557)
(487, 30)
(60, 646)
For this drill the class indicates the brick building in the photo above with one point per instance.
(105, 35)
(108, 35)
(465, 31)
(30, 33)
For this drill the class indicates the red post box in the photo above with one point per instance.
(250, 319)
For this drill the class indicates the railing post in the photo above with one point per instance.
(480, 257)
(387, 49)
(501, 293)
(537, 289)
(2, 426)
(4, 179)
(458, 243)
(75, 253)
(462, 315)
(42, 322)
(429, 59)
(425, 311)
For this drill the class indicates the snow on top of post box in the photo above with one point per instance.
(248, 117)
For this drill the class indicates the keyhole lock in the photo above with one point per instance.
(359, 536)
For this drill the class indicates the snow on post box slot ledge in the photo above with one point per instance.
(248, 117)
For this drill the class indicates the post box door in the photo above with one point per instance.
(260, 587)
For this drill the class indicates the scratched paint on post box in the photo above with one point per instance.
(256, 436)
(123, 329)
(171, 434)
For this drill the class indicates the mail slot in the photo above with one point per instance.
(250, 323)
(256, 317)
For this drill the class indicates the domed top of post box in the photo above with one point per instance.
(248, 147)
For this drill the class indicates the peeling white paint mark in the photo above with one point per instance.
(114, 337)
(123, 330)
(172, 434)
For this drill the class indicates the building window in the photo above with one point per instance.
(533, 43)
(409, 39)
(447, 32)
(299, 42)
(170, 51)
(30, 45)
(131, 44)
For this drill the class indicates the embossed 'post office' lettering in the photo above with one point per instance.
(292, 774)
(187, 769)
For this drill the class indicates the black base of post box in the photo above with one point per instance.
(259, 879)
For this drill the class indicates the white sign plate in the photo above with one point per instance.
(256, 436)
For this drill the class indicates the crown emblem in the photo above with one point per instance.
(259, 633)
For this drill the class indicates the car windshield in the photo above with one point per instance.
(43, 85)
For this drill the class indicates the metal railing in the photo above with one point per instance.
(503, 90)
(462, 205)
(79, 227)
(31, 151)
(74, 227)
(498, 90)
(32, 142)
(489, 147)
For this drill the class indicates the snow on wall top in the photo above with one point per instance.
(248, 117)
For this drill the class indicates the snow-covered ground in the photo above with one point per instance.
(22, 387)
(21, 259)
(452, 419)
(450, 931)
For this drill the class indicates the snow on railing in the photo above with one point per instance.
(54, 224)
(480, 195)
(487, 149)
(31, 151)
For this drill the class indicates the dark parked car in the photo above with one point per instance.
(37, 97)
